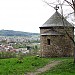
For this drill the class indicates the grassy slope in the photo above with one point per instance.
(11, 67)
(67, 67)
(31, 63)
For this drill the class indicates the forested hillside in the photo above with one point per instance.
(16, 33)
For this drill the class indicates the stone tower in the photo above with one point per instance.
(54, 39)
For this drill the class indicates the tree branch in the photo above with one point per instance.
(69, 3)
(73, 5)
(69, 14)
(48, 4)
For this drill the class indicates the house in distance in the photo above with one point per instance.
(54, 39)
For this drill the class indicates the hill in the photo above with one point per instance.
(16, 33)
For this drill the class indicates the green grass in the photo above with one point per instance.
(67, 67)
(13, 67)
(31, 63)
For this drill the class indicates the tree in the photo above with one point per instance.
(61, 3)
(72, 4)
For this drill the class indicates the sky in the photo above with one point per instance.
(24, 15)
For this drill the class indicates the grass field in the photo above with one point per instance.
(31, 63)
(67, 67)
(13, 67)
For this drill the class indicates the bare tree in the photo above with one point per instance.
(70, 3)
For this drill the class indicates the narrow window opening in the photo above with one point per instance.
(48, 41)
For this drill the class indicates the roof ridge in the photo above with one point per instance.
(56, 20)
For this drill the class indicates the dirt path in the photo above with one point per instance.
(45, 68)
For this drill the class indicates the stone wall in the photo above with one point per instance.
(60, 45)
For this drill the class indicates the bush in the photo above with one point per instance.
(20, 57)
(7, 55)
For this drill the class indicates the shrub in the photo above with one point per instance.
(7, 54)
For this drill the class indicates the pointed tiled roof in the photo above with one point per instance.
(56, 20)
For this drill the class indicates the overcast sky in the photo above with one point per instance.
(23, 15)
